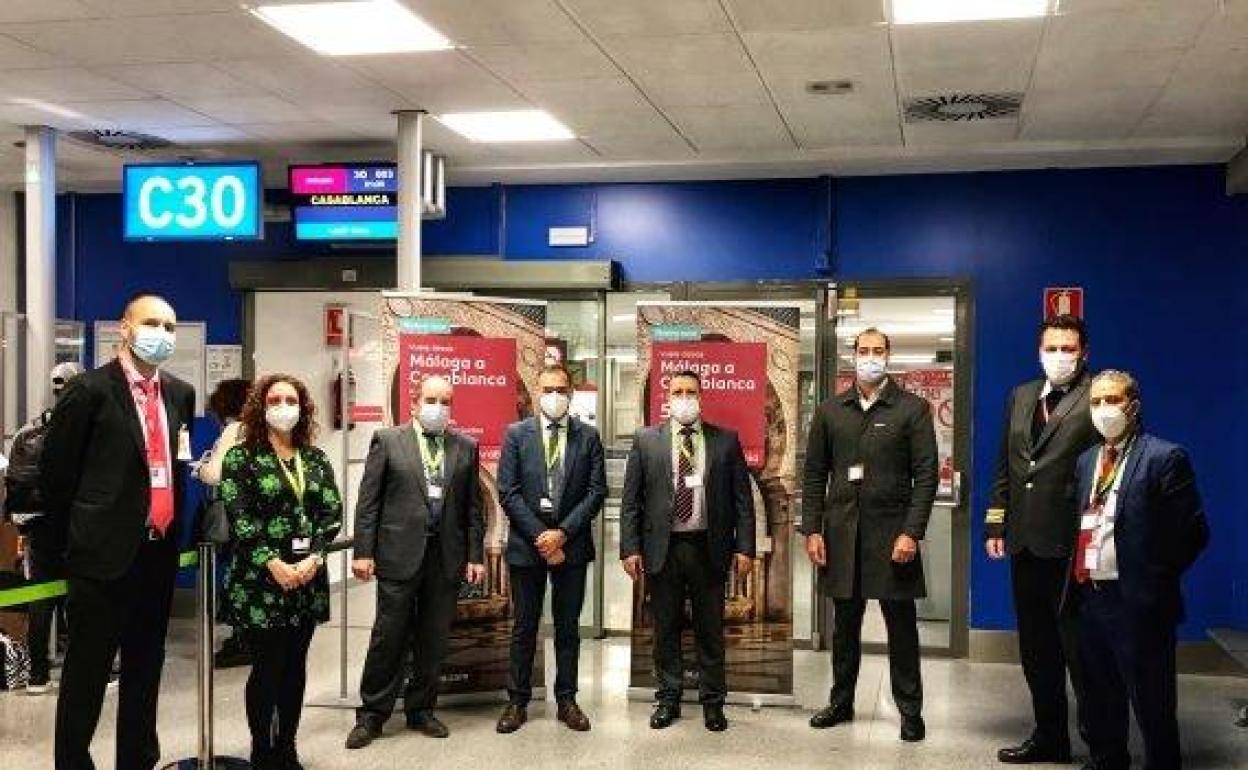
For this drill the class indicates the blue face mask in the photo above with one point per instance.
(153, 345)
(870, 370)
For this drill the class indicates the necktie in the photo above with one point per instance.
(160, 515)
(1044, 412)
(433, 476)
(554, 463)
(1100, 492)
(684, 495)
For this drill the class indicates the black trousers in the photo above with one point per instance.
(130, 615)
(415, 616)
(528, 592)
(1047, 643)
(1128, 662)
(688, 576)
(275, 687)
(904, 672)
(45, 564)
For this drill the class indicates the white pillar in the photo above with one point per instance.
(40, 260)
(411, 203)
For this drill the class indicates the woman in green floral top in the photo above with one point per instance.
(284, 509)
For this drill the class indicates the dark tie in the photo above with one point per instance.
(1044, 412)
(433, 474)
(684, 495)
(1100, 493)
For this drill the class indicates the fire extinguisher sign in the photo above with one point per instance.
(1063, 300)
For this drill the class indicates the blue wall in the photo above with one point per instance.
(1163, 254)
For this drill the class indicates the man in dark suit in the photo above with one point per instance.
(1031, 518)
(552, 481)
(686, 520)
(419, 529)
(112, 476)
(1142, 525)
(868, 487)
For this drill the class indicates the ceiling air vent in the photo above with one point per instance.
(956, 107)
(120, 140)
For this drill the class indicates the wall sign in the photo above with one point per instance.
(1066, 300)
(192, 201)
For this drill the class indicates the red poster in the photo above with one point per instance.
(483, 373)
(734, 387)
(1063, 300)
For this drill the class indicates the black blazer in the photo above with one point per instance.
(392, 515)
(1033, 489)
(649, 495)
(895, 443)
(94, 473)
(522, 485)
(1159, 524)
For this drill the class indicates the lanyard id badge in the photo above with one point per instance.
(297, 480)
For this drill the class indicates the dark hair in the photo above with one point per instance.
(557, 369)
(690, 375)
(138, 295)
(256, 428)
(1065, 323)
(228, 398)
(888, 344)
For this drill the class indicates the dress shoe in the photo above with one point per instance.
(361, 735)
(263, 758)
(572, 716)
(1033, 750)
(663, 716)
(513, 718)
(831, 716)
(713, 717)
(912, 729)
(425, 722)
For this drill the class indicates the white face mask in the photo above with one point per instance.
(1111, 421)
(685, 409)
(871, 370)
(282, 417)
(1059, 367)
(554, 405)
(434, 417)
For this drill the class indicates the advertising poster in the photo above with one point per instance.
(748, 356)
(936, 385)
(492, 352)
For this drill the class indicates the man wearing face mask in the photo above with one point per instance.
(1031, 518)
(419, 529)
(1141, 527)
(552, 481)
(686, 521)
(868, 487)
(112, 478)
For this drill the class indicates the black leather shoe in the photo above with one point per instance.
(361, 735)
(831, 716)
(1032, 751)
(425, 722)
(912, 729)
(513, 718)
(663, 716)
(713, 717)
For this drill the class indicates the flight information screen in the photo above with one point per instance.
(345, 202)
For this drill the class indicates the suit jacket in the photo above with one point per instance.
(646, 507)
(94, 472)
(392, 515)
(1159, 524)
(895, 443)
(1033, 489)
(522, 485)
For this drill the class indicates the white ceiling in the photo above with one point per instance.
(653, 88)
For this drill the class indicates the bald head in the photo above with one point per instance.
(149, 310)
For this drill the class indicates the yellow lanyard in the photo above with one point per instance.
(298, 482)
(1104, 484)
(554, 449)
(431, 458)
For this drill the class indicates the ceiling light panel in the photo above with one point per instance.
(354, 27)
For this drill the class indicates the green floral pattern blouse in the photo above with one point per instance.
(265, 515)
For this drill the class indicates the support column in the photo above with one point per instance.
(411, 201)
(40, 261)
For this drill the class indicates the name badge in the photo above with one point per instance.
(160, 477)
(1089, 521)
(184, 445)
(435, 491)
(301, 545)
(1092, 558)
(547, 505)
(693, 481)
(857, 472)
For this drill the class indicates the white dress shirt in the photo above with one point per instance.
(1107, 561)
(697, 522)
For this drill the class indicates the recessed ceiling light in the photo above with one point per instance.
(936, 11)
(354, 27)
(516, 126)
(830, 87)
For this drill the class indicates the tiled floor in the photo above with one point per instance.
(971, 710)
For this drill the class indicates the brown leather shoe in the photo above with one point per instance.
(572, 716)
(513, 718)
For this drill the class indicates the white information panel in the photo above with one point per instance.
(221, 362)
(187, 362)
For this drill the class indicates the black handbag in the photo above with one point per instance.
(213, 521)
